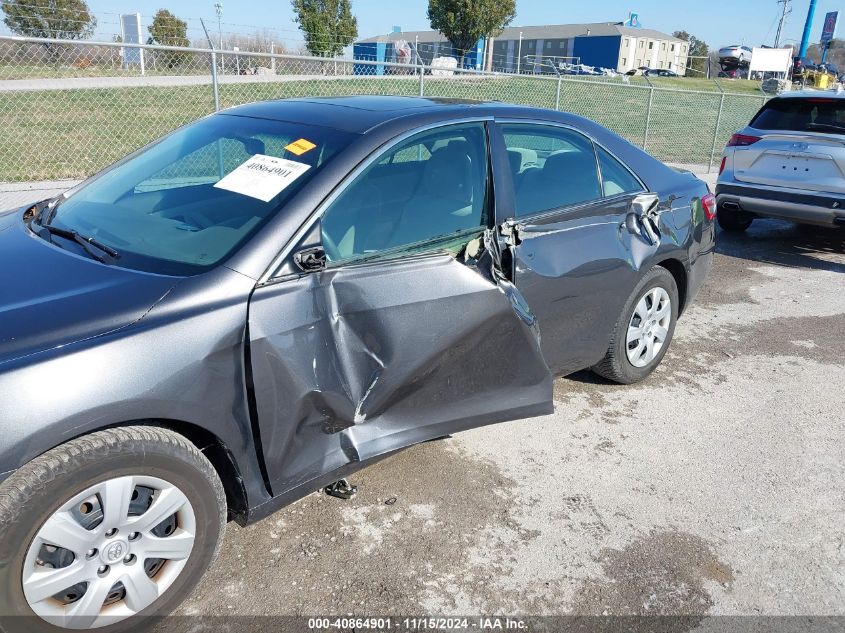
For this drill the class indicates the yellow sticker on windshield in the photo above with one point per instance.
(300, 147)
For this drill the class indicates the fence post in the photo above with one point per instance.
(648, 118)
(557, 97)
(214, 87)
(716, 133)
(422, 81)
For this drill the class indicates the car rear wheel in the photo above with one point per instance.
(733, 220)
(644, 330)
(106, 530)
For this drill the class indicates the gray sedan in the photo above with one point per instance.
(264, 301)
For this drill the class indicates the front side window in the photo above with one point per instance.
(552, 167)
(430, 188)
(188, 201)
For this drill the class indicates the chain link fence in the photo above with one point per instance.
(68, 109)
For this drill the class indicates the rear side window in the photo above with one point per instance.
(552, 167)
(616, 178)
(802, 115)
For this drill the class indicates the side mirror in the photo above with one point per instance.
(310, 259)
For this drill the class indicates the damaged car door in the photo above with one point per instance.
(384, 329)
(576, 238)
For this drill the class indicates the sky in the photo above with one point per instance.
(751, 22)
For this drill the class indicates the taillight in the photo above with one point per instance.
(722, 166)
(742, 140)
(709, 204)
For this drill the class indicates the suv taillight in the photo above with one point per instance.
(743, 140)
(722, 166)
(709, 204)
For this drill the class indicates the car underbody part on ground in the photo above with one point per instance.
(341, 489)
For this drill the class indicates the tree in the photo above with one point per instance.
(464, 22)
(698, 53)
(835, 54)
(62, 19)
(328, 25)
(168, 30)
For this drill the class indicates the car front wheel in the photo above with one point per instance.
(106, 530)
(644, 330)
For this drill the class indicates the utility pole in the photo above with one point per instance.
(218, 8)
(519, 54)
(786, 11)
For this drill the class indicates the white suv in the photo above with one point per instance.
(788, 163)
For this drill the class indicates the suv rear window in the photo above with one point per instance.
(815, 114)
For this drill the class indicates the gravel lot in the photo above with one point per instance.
(716, 487)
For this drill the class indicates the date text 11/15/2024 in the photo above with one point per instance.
(481, 623)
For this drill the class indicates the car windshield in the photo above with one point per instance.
(803, 115)
(188, 201)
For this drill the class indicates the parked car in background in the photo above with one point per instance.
(789, 163)
(660, 72)
(579, 69)
(729, 73)
(735, 55)
(268, 299)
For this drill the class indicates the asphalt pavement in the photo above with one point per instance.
(715, 487)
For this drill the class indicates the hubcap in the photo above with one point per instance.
(109, 552)
(649, 327)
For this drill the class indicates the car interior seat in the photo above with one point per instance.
(566, 178)
(445, 201)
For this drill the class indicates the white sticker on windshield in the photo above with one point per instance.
(262, 177)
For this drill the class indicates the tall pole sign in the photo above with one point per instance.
(828, 32)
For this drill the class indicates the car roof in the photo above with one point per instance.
(812, 94)
(358, 114)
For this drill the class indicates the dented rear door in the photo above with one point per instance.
(574, 258)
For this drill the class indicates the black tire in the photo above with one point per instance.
(615, 365)
(732, 220)
(31, 495)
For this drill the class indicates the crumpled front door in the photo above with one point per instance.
(354, 362)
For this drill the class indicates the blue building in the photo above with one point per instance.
(533, 49)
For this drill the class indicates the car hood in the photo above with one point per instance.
(51, 297)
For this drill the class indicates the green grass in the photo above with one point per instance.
(56, 134)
